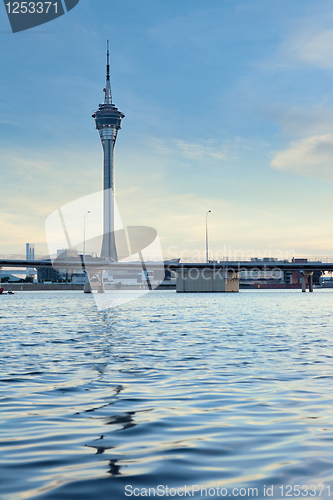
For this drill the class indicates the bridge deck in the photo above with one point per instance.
(100, 264)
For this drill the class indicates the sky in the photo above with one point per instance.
(228, 107)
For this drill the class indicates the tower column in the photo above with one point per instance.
(108, 245)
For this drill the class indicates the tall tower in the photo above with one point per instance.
(108, 122)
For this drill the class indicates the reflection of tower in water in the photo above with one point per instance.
(114, 468)
(108, 122)
(104, 443)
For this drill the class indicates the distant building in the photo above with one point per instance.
(30, 255)
(48, 274)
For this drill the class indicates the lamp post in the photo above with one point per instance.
(209, 211)
(84, 234)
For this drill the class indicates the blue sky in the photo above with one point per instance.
(228, 107)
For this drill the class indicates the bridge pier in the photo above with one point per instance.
(191, 280)
(305, 275)
(87, 286)
(303, 283)
(101, 288)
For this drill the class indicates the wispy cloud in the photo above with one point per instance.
(302, 121)
(312, 157)
(69, 169)
(308, 44)
(226, 149)
(197, 150)
(314, 47)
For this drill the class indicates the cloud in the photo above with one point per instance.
(197, 151)
(308, 44)
(301, 121)
(311, 157)
(314, 48)
(226, 149)
(49, 175)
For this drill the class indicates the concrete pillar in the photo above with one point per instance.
(232, 281)
(87, 286)
(101, 288)
(305, 274)
(303, 283)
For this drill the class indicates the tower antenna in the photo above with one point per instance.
(108, 95)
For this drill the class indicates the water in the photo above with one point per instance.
(215, 390)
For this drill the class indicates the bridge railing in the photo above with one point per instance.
(322, 259)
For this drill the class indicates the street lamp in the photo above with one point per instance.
(209, 211)
(84, 234)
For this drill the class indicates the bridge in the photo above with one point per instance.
(220, 276)
(224, 276)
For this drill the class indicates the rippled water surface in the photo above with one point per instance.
(218, 390)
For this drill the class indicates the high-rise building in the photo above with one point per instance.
(108, 122)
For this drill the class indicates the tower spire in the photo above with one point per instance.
(107, 90)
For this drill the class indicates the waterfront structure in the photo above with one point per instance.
(190, 276)
(108, 122)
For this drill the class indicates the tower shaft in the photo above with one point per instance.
(109, 250)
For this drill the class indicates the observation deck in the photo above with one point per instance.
(108, 115)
